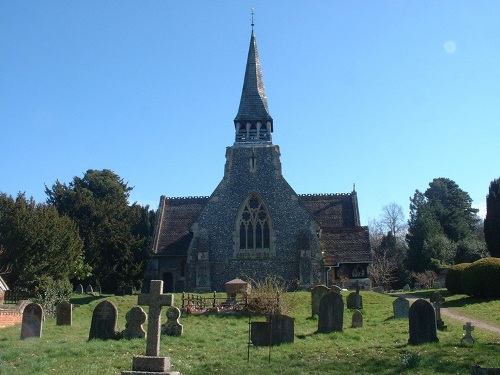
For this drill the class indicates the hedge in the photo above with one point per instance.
(453, 278)
(482, 278)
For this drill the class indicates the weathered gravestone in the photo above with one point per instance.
(354, 299)
(335, 288)
(422, 320)
(31, 325)
(317, 293)
(331, 313)
(406, 288)
(79, 289)
(98, 290)
(135, 318)
(152, 362)
(172, 327)
(64, 314)
(279, 329)
(104, 319)
(89, 289)
(437, 300)
(401, 307)
(467, 338)
(357, 319)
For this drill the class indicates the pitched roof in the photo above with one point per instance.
(333, 210)
(345, 245)
(253, 102)
(173, 228)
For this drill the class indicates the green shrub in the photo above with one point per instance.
(52, 292)
(453, 278)
(482, 278)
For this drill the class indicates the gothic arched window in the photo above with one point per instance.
(254, 228)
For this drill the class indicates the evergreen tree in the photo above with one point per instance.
(492, 220)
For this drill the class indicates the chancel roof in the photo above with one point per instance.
(345, 245)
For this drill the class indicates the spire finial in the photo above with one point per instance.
(252, 17)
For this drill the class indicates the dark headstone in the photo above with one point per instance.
(98, 290)
(357, 319)
(104, 320)
(401, 307)
(467, 338)
(354, 301)
(172, 327)
(120, 291)
(89, 289)
(79, 289)
(331, 313)
(279, 329)
(128, 290)
(64, 314)
(136, 317)
(422, 320)
(32, 321)
(317, 293)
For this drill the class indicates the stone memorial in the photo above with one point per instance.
(378, 289)
(172, 327)
(422, 320)
(437, 300)
(104, 319)
(406, 288)
(152, 363)
(135, 318)
(278, 329)
(354, 299)
(357, 319)
(79, 289)
(401, 307)
(64, 314)
(98, 290)
(467, 338)
(128, 290)
(317, 293)
(335, 288)
(331, 313)
(89, 289)
(32, 321)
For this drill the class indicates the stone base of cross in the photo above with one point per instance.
(152, 363)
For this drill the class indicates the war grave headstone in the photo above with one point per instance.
(437, 300)
(279, 329)
(401, 307)
(104, 319)
(317, 293)
(64, 314)
(172, 327)
(135, 318)
(422, 320)
(467, 338)
(331, 313)
(32, 321)
(354, 299)
(357, 319)
(79, 289)
(152, 362)
(89, 289)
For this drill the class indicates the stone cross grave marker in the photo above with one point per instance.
(468, 339)
(401, 306)
(136, 317)
(64, 314)
(32, 321)
(155, 300)
(437, 300)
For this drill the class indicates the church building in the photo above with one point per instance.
(254, 224)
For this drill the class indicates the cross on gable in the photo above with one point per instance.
(155, 300)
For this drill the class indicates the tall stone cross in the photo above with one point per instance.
(155, 300)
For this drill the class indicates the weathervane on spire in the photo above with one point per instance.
(252, 17)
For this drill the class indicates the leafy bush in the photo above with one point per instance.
(52, 292)
(482, 278)
(268, 296)
(453, 278)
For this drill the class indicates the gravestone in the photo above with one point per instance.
(98, 290)
(279, 329)
(104, 319)
(79, 289)
(331, 313)
(378, 289)
(152, 362)
(64, 314)
(467, 338)
(32, 321)
(406, 288)
(335, 288)
(135, 318)
(437, 300)
(317, 293)
(172, 327)
(128, 290)
(357, 319)
(89, 289)
(354, 300)
(401, 306)
(422, 320)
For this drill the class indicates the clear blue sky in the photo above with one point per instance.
(384, 94)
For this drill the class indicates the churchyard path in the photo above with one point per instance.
(454, 314)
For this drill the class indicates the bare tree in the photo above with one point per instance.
(393, 220)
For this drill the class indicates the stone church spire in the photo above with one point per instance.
(253, 123)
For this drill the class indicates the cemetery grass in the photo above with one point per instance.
(218, 345)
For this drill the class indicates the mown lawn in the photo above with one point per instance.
(219, 344)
